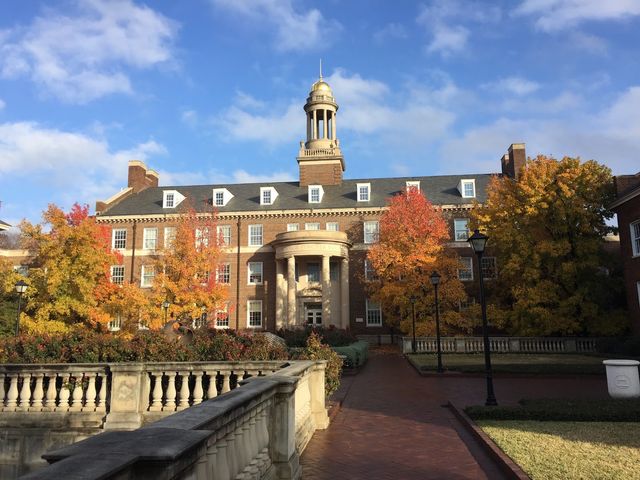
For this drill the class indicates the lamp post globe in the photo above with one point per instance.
(435, 281)
(478, 243)
(21, 287)
(165, 305)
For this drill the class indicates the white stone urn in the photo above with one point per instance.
(622, 378)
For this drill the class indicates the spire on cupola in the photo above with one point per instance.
(320, 159)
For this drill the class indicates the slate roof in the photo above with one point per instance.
(440, 190)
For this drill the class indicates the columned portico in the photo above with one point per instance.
(312, 292)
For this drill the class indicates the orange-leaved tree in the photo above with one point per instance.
(410, 247)
(186, 270)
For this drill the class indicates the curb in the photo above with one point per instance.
(511, 469)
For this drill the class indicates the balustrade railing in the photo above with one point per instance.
(503, 344)
(316, 152)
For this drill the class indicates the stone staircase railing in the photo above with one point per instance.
(503, 344)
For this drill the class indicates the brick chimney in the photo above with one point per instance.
(626, 183)
(513, 161)
(141, 178)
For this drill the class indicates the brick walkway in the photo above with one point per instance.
(392, 424)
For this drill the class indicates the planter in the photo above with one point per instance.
(622, 378)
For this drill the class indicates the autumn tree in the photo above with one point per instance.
(410, 247)
(186, 270)
(547, 230)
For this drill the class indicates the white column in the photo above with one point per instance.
(333, 126)
(344, 293)
(281, 292)
(291, 291)
(315, 124)
(309, 126)
(326, 292)
(325, 130)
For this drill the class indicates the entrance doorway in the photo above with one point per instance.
(313, 313)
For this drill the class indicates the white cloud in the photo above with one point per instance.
(295, 30)
(515, 85)
(589, 43)
(554, 15)
(222, 178)
(189, 117)
(390, 31)
(448, 40)
(81, 56)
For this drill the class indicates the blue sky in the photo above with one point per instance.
(211, 91)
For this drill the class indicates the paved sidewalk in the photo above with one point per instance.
(393, 425)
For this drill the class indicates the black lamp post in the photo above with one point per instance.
(435, 281)
(413, 299)
(21, 287)
(166, 306)
(478, 242)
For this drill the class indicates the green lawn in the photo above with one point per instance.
(569, 450)
(545, 364)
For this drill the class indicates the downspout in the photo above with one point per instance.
(239, 224)
(133, 251)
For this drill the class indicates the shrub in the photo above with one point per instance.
(332, 336)
(316, 350)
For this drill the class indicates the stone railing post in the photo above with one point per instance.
(514, 345)
(129, 396)
(459, 345)
(317, 393)
(282, 437)
(570, 345)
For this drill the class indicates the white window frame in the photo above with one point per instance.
(332, 227)
(635, 238)
(312, 226)
(468, 269)
(169, 236)
(293, 227)
(223, 273)
(369, 304)
(494, 267)
(147, 237)
(202, 237)
(372, 236)
(226, 197)
(225, 310)
(271, 192)
(252, 237)
(456, 229)
(171, 198)
(114, 240)
(121, 268)
(412, 184)
(311, 193)
(223, 233)
(463, 183)
(363, 191)
(115, 324)
(369, 271)
(145, 276)
(249, 273)
(249, 312)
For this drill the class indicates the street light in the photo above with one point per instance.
(166, 304)
(413, 299)
(478, 242)
(21, 287)
(435, 281)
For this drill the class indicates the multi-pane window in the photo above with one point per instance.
(314, 194)
(254, 313)
(202, 237)
(150, 238)
(465, 271)
(169, 200)
(255, 235)
(333, 226)
(224, 235)
(635, 238)
(255, 273)
(313, 272)
(117, 274)
(312, 226)
(293, 227)
(219, 199)
(413, 184)
(371, 231)
(374, 314)
(466, 304)
(363, 192)
(115, 324)
(200, 321)
(468, 188)
(222, 317)
(223, 273)
(266, 197)
(369, 272)
(147, 276)
(119, 238)
(488, 266)
(461, 229)
(169, 236)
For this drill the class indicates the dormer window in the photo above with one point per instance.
(171, 198)
(364, 192)
(268, 195)
(315, 193)
(467, 188)
(413, 184)
(221, 197)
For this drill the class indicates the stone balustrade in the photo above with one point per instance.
(46, 406)
(503, 344)
(316, 152)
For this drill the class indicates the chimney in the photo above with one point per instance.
(513, 161)
(626, 183)
(141, 178)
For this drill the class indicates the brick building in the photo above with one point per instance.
(627, 208)
(294, 251)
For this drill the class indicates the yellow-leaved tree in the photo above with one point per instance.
(547, 230)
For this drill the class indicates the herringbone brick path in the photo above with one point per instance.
(392, 424)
